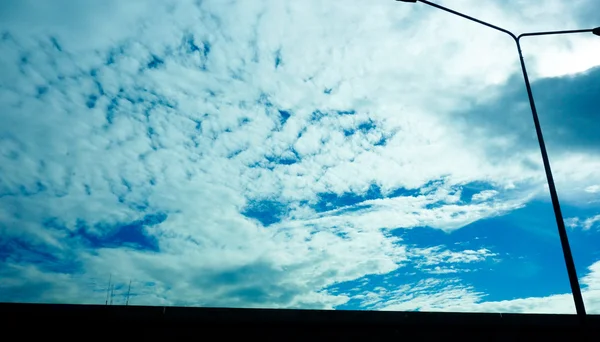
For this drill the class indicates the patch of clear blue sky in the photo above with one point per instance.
(472, 188)
(135, 234)
(529, 263)
(265, 211)
(269, 211)
(27, 252)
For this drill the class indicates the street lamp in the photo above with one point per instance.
(562, 232)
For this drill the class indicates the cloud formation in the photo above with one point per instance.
(258, 154)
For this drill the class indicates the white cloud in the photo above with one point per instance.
(91, 137)
(575, 174)
(428, 294)
(592, 189)
(484, 195)
(434, 210)
(452, 296)
(434, 255)
(584, 224)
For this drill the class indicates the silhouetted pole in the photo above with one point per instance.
(112, 293)
(108, 288)
(562, 232)
(128, 292)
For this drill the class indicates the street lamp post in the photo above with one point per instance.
(562, 232)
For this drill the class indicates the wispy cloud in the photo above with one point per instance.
(585, 224)
(451, 296)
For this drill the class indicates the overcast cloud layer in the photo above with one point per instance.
(305, 154)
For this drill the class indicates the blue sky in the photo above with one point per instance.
(286, 154)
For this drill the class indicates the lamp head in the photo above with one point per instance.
(596, 31)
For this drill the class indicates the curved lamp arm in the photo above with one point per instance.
(562, 232)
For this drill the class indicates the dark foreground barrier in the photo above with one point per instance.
(116, 322)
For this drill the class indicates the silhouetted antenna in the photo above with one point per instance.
(128, 292)
(112, 294)
(108, 288)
